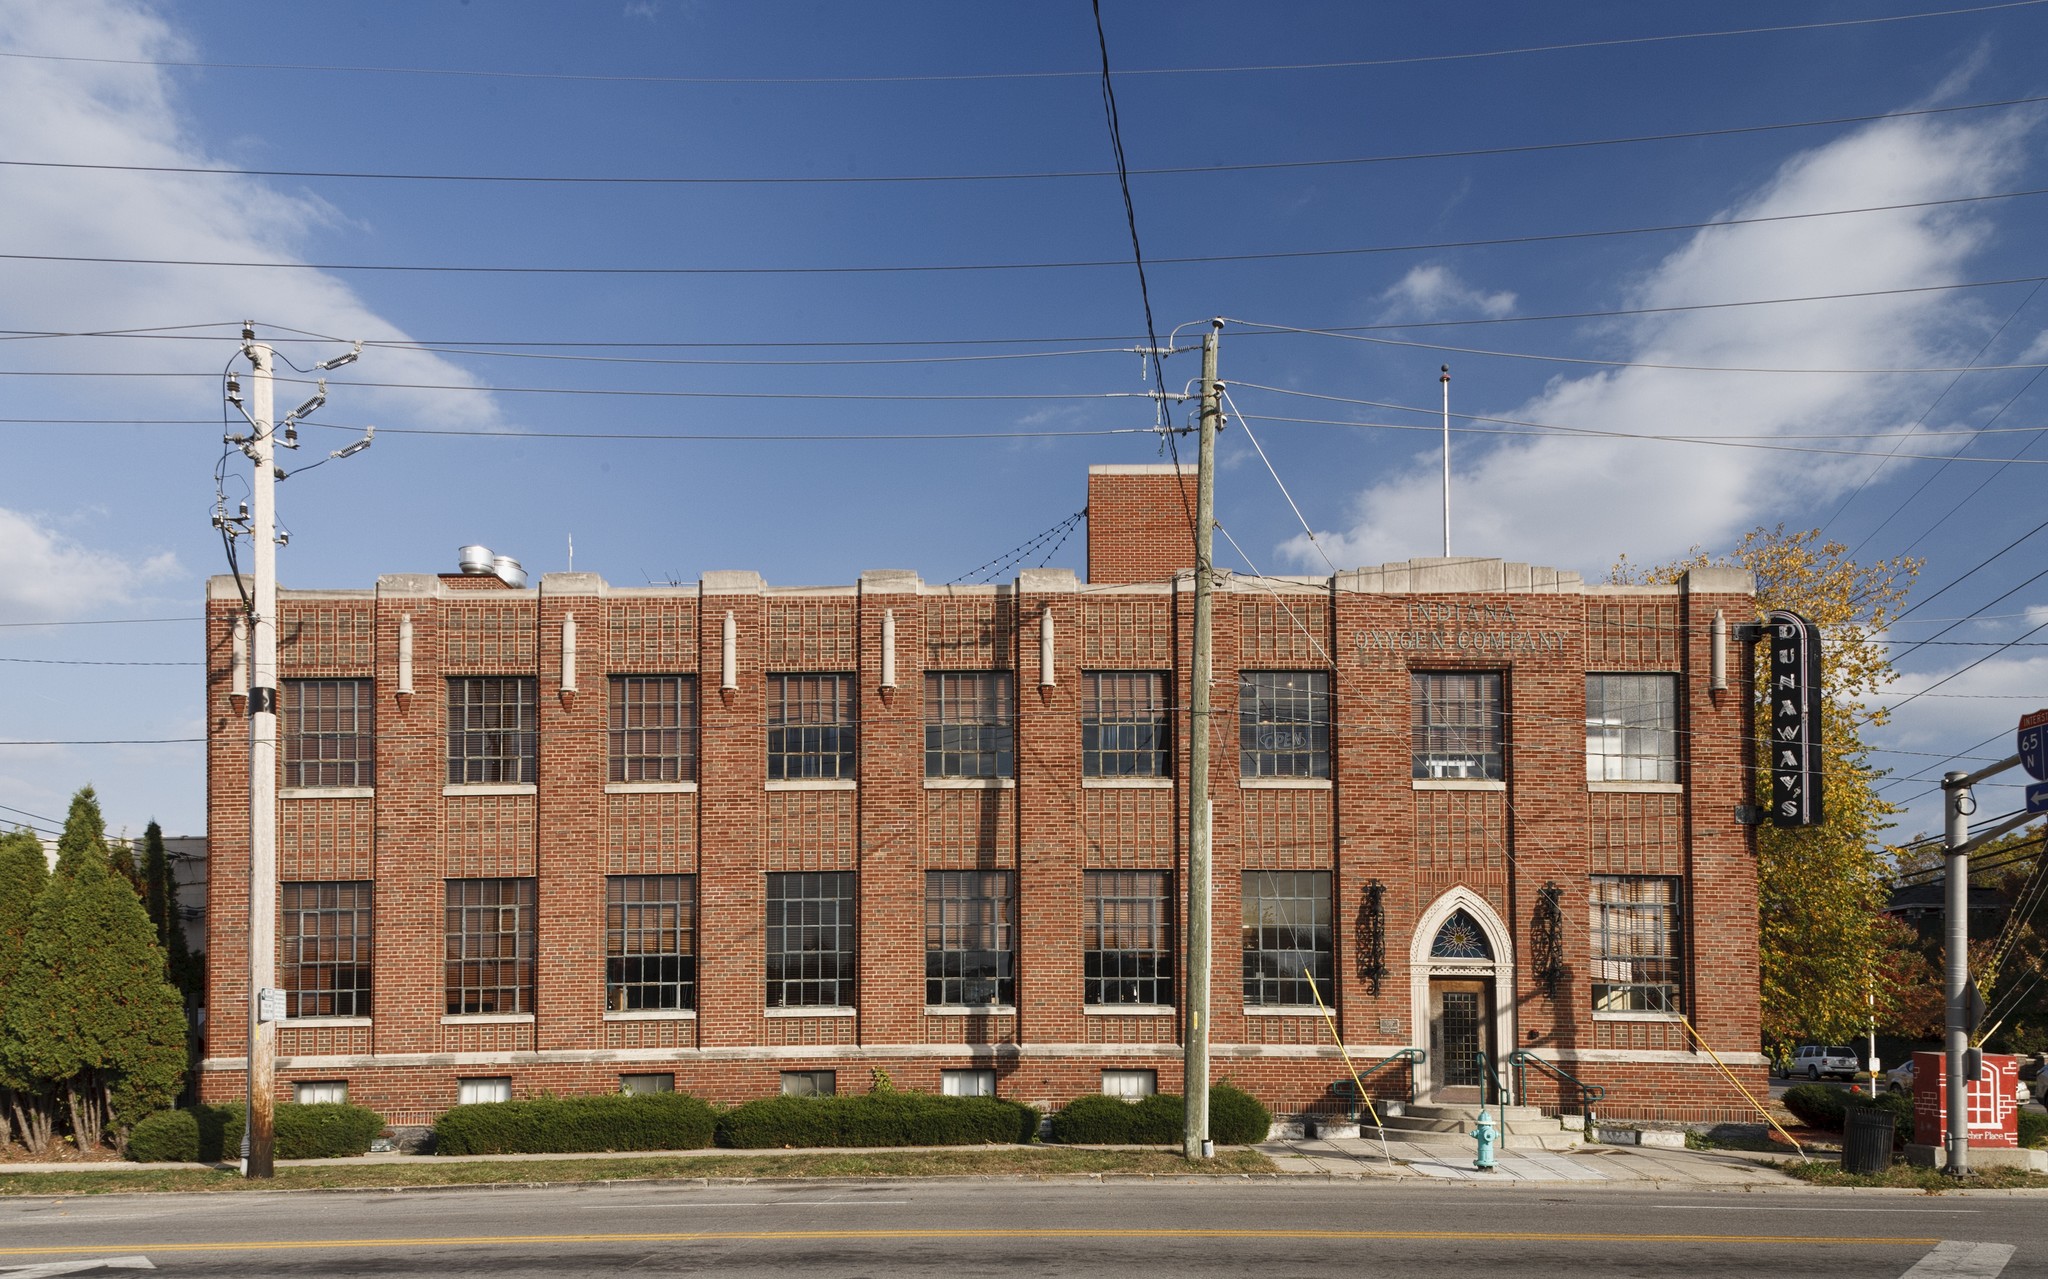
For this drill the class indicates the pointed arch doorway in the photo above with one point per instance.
(1462, 961)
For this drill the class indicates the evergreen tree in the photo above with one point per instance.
(158, 897)
(93, 1015)
(23, 874)
(85, 834)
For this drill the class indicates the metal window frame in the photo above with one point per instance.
(811, 939)
(1623, 743)
(970, 723)
(477, 975)
(1449, 724)
(1283, 720)
(338, 747)
(969, 916)
(493, 728)
(1627, 977)
(1275, 903)
(1126, 724)
(1127, 954)
(651, 723)
(334, 980)
(811, 727)
(650, 942)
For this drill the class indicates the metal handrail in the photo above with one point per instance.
(1487, 1076)
(1412, 1056)
(1521, 1059)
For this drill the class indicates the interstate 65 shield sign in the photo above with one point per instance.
(2034, 744)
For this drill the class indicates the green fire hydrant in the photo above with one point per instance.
(1487, 1136)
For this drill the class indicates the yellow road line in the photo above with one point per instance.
(773, 1236)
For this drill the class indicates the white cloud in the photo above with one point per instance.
(45, 575)
(132, 115)
(1576, 502)
(1430, 292)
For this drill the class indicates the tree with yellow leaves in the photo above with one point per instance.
(1824, 950)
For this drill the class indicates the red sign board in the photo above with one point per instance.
(1993, 1114)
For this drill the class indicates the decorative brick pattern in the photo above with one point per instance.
(1292, 630)
(970, 1030)
(324, 639)
(1641, 1036)
(654, 1032)
(488, 639)
(1126, 634)
(1309, 1029)
(324, 838)
(1629, 834)
(1632, 635)
(806, 1031)
(322, 1041)
(809, 830)
(969, 632)
(1461, 831)
(1128, 829)
(658, 638)
(1287, 830)
(811, 634)
(487, 1037)
(651, 834)
(1132, 1030)
(486, 836)
(969, 829)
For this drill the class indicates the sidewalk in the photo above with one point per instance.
(1452, 1161)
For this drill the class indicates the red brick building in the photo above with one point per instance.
(734, 838)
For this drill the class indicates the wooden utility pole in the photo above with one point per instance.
(1196, 1143)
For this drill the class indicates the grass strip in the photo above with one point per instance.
(1910, 1177)
(428, 1171)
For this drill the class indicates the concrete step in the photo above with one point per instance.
(1470, 1111)
(1555, 1139)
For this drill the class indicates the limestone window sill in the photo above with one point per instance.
(652, 1014)
(1284, 783)
(970, 783)
(965, 1010)
(1127, 783)
(1457, 783)
(650, 788)
(486, 1019)
(1283, 1010)
(489, 788)
(311, 1022)
(809, 1012)
(1637, 788)
(327, 792)
(812, 783)
(1127, 1010)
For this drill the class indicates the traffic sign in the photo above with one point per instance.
(2034, 744)
(2037, 797)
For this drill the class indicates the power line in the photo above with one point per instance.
(607, 180)
(1282, 255)
(107, 621)
(966, 76)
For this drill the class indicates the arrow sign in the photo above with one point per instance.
(2034, 745)
(2037, 797)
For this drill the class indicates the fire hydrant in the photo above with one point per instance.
(1487, 1137)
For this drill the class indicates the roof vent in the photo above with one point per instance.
(508, 571)
(477, 561)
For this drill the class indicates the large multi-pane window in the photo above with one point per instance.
(1457, 724)
(490, 946)
(1631, 728)
(1638, 944)
(810, 939)
(1286, 936)
(969, 719)
(1283, 723)
(653, 728)
(1127, 937)
(324, 952)
(330, 732)
(969, 933)
(1124, 721)
(493, 728)
(650, 942)
(810, 726)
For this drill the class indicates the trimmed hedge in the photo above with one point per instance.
(876, 1119)
(1817, 1106)
(562, 1125)
(1236, 1118)
(210, 1134)
(2033, 1128)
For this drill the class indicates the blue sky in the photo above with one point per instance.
(1497, 186)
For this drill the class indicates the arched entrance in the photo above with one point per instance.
(1462, 993)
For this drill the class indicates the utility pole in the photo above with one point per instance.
(1196, 1143)
(1956, 964)
(1445, 379)
(259, 522)
(262, 1073)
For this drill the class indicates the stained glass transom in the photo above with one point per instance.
(1460, 938)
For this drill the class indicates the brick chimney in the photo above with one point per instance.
(1141, 523)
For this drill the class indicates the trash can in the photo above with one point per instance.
(1867, 1140)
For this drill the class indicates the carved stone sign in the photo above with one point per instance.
(1459, 628)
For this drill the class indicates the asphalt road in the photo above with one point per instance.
(1124, 1229)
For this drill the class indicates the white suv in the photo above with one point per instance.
(1816, 1060)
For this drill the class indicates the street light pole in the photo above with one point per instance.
(1960, 803)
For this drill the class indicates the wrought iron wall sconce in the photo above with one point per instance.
(1372, 935)
(1547, 938)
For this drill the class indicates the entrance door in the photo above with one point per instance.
(1460, 1030)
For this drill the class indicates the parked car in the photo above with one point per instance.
(1816, 1060)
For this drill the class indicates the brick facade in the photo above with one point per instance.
(1487, 847)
